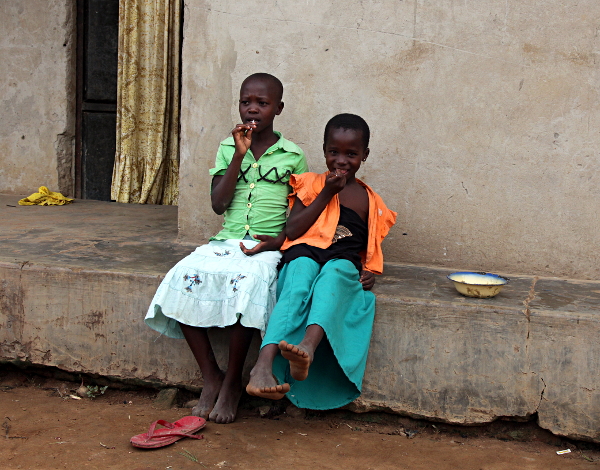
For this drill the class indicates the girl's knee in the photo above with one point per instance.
(339, 268)
(300, 274)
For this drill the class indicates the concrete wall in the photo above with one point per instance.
(484, 114)
(484, 117)
(37, 95)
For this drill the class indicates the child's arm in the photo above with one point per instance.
(303, 217)
(367, 279)
(223, 186)
(267, 243)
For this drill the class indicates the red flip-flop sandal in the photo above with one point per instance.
(172, 432)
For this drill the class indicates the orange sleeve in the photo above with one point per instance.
(306, 187)
(302, 188)
(383, 219)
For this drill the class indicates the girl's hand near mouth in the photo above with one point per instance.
(242, 135)
(335, 181)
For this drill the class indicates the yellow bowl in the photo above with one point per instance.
(481, 285)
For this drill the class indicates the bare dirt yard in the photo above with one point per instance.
(44, 427)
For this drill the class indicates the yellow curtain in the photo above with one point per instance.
(146, 167)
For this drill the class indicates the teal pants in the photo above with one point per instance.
(330, 296)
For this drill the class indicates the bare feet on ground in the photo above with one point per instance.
(208, 398)
(263, 384)
(225, 409)
(300, 359)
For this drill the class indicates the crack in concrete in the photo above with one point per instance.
(415, 23)
(541, 395)
(527, 303)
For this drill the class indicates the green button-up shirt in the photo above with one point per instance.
(260, 202)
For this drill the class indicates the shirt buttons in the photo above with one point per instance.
(254, 165)
(249, 204)
(270, 153)
(252, 185)
(246, 227)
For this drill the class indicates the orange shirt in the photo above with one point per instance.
(307, 187)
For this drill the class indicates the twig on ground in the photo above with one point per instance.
(188, 455)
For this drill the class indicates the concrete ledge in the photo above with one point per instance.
(73, 294)
(532, 349)
(92, 322)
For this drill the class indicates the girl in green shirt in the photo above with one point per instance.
(231, 281)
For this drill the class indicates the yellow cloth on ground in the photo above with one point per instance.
(45, 197)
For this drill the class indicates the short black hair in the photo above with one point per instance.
(274, 82)
(349, 121)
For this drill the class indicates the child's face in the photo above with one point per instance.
(344, 152)
(259, 103)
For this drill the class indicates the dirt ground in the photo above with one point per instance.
(45, 428)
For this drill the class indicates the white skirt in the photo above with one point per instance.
(216, 285)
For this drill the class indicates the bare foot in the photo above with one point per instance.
(300, 359)
(226, 407)
(208, 397)
(263, 384)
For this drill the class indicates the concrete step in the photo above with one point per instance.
(76, 281)
(532, 349)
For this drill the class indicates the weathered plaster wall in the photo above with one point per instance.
(37, 95)
(485, 117)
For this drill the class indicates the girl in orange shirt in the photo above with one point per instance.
(323, 318)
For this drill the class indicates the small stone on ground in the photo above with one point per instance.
(166, 398)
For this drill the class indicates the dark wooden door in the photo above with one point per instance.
(98, 32)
